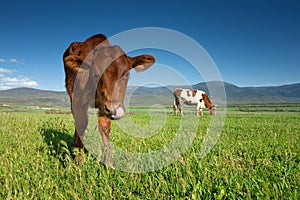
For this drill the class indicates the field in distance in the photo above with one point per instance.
(256, 156)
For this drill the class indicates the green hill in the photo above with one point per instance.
(143, 96)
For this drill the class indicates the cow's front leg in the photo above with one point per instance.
(104, 128)
(79, 112)
(201, 111)
(198, 109)
(77, 140)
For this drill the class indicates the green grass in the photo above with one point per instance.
(256, 157)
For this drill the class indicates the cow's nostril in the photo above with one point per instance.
(113, 113)
(113, 110)
(107, 110)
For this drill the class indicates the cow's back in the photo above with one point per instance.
(81, 50)
(189, 97)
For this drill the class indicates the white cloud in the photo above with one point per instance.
(13, 60)
(8, 82)
(5, 71)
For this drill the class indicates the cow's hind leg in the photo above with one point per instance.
(178, 104)
(175, 107)
(180, 107)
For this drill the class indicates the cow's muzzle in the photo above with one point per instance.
(114, 110)
(212, 110)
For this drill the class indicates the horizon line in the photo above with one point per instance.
(224, 82)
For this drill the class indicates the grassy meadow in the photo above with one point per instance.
(257, 156)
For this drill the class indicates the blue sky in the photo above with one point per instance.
(252, 43)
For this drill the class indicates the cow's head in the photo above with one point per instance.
(113, 81)
(107, 68)
(208, 104)
(212, 110)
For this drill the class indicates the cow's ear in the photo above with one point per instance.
(79, 68)
(143, 62)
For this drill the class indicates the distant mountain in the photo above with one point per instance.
(234, 94)
(284, 91)
(34, 97)
(31, 92)
(270, 94)
(157, 95)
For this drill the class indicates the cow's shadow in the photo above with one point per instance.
(59, 143)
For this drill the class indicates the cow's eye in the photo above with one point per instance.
(126, 75)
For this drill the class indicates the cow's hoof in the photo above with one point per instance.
(78, 155)
(109, 162)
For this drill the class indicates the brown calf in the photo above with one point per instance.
(97, 75)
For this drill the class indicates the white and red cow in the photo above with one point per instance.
(192, 97)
